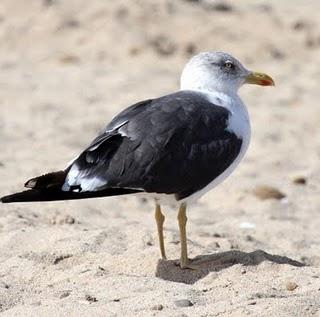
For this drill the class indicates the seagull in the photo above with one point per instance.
(174, 148)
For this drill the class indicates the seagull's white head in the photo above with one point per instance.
(218, 71)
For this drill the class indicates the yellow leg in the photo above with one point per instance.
(185, 263)
(160, 220)
(182, 220)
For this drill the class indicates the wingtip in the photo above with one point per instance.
(23, 196)
(4, 199)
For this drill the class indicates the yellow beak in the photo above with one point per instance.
(259, 79)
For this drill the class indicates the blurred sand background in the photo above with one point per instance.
(66, 67)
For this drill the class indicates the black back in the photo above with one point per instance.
(175, 144)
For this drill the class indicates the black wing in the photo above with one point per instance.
(176, 144)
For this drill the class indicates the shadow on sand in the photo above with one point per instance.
(168, 270)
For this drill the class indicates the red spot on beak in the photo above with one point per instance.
(264, 82)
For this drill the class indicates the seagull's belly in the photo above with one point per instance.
(170, 199)
(240, 125)
(221, 177)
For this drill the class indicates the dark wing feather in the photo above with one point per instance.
(176, 144)
(118, 121)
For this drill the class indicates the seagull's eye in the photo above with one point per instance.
(228, 65)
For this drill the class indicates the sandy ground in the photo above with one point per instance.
(66, 67)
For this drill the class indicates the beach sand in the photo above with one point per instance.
(66, 68)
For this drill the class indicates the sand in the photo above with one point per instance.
(67, 67)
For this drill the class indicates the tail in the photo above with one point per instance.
(48, 188)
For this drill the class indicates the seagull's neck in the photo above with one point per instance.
(216, 91)
(208, 88)
(220, 98)
(194, 78)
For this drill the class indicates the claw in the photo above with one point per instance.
(188, 265)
